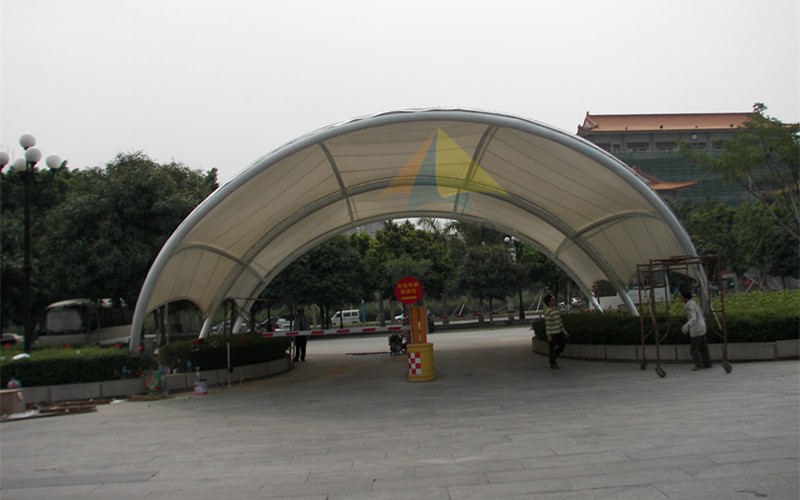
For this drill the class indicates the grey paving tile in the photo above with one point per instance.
(778, 466)
(574, 459)
(543, 473)
(502, 490)
(410, 491)
(330, 488)
(496, 422)
(743, 487)
(482, 466)
(640, 477)
(40, 492)
(428, 481)
(690, 463)
(646, 492)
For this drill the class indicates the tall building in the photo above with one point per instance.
(649, 144)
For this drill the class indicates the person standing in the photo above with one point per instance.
(300, 324)
(696, 328)
(554, 327)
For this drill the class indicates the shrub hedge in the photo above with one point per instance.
(72, 365)
(246, 349)
(750, 317)
(623, 329)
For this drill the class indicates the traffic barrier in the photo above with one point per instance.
(337, 331)
(420, 362)
(377, 329)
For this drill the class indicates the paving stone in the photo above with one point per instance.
(496, 422)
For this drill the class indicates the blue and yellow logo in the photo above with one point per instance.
(442, 171)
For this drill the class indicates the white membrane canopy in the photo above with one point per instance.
(576, 203)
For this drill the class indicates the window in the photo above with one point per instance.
(65, 320)
(638, 146)
(666, 146)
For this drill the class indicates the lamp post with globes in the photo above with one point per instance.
(514, 244)
(25, 172)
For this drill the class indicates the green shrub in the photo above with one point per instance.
(212, 354)
(73, 365)
(749, 317)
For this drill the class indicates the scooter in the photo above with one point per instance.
(397, 344)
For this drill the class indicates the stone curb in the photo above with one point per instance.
(172, 383)
(756, 351)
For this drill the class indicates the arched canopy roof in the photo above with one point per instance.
(578, 204)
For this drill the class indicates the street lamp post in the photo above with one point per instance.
(26, 173)
(514, 245)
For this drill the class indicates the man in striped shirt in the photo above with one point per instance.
(554, 327)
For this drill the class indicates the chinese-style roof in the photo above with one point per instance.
(662, 186)
(661, 122)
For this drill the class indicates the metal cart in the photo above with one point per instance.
(653, 284)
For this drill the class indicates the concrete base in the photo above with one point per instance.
(787, 349)
(172, 383)
(11, 401)
(756, 351)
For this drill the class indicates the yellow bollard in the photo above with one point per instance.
(420, 362)
(420, 352)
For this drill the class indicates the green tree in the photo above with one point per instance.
(715, 230)
(475, 235)
(44, 197)
(744, 237)
(541, 269)
(764, 158)
(102, 239)
(330, 275)
(488, 272)
(402, 248)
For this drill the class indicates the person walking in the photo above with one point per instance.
(300, 324)
(696, 328)
(554, 327)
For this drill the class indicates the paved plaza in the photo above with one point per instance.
(496, 423)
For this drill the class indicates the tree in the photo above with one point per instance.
(488, 272)
(715, 230)
(102, 239)
(329, 275)
(764, 158)
(44, 197)
(475, 235)
(543, 270)
(428, 249)
(744, 237)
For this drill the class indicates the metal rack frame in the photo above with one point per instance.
(705, 270)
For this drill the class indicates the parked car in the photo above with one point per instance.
(12, 339)
(346, 317)
(400, 318)
(275, 324)
(220, 327)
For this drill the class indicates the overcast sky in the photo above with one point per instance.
(220, 83)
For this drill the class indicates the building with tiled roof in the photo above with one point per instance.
(649, 143)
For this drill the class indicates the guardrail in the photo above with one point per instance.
(387, 329)
(337, 331)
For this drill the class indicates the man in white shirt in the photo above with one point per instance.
(696, 328)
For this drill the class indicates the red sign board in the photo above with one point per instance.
(408, 291)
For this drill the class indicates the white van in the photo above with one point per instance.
(348, 317)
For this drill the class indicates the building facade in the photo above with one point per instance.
(650, 144)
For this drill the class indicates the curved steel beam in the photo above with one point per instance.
(492, 120)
